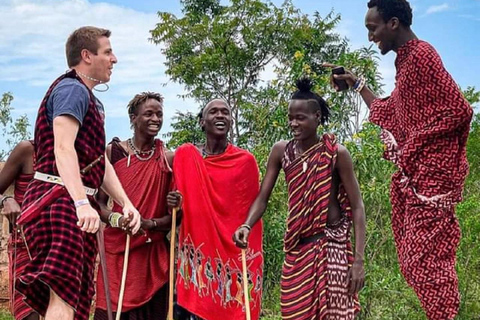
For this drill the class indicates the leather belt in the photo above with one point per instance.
(312, 238)
(57, 180)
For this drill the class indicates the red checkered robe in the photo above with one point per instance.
(425, 125)
(63, 257)
(314, 275)
(18, 254)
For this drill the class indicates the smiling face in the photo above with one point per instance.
(149, 118)
(303, 119)
(382, 33)
(216, 118)
(101, 63)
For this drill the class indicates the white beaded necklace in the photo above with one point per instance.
(94, 80)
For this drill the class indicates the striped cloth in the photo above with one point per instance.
(314, 275)
(18, 255)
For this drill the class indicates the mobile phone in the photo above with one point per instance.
(342, 84)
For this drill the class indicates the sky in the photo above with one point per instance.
(33, 35)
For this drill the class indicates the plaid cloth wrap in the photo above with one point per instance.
(62, 256)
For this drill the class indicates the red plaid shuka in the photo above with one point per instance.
(425, 125)
(63, 257)
(18, 254)
(314, 275)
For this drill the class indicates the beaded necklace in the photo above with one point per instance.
(138, 153)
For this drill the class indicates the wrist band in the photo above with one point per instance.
(81, 202)
(3, 199)
(154, 223)
(359, 84)
(114, 219)
(246, 226)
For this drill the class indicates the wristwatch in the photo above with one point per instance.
(2, 200)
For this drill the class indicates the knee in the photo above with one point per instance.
(58, 309)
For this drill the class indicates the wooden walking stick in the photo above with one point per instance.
(245, 284)
(172, 263)
(124, 278)
(103, 265)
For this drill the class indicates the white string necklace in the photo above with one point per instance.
(94, 80)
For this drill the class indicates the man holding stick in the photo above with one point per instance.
(69, 136)
(143, 165)
(219, 182)
(425, 124)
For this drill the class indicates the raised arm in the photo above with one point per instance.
(274, 164)
(367, 94)
(344, 168)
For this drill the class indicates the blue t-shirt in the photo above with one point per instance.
(70, 97)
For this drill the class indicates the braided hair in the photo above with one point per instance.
(140, 98)
(304, 92)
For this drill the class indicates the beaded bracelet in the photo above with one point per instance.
(114, 219)
(359, 84)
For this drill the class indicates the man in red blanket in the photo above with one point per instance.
(142, 164)
(219, 182)
(18, 169)
(425, 124)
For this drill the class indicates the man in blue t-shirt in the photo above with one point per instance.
(58, 282)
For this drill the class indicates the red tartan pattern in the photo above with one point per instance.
(309, 285)
(425, 124)
(63, 256)
(18, 254)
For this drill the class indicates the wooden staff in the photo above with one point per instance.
(172, 264)
(245, 284)
(103, 264)
(124, 278)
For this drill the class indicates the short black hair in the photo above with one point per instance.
(393, 8)
(305, 92)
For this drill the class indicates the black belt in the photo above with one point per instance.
(311, 239)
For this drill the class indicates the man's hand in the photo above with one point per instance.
(356, 277)
(174, 199)
(88, 218)
(348, 76)
(130, 212)
(11, 210)
(240, 237)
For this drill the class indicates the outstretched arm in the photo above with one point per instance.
(112, 186)
(259, 205)
(344, 168)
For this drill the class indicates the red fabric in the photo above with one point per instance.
(63, 257)
(425, 124)
(146, 184)
(217, 193)
(18, 254)
(21, 184)
(310, 287)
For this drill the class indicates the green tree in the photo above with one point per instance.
(13, 130)
(221, 50)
